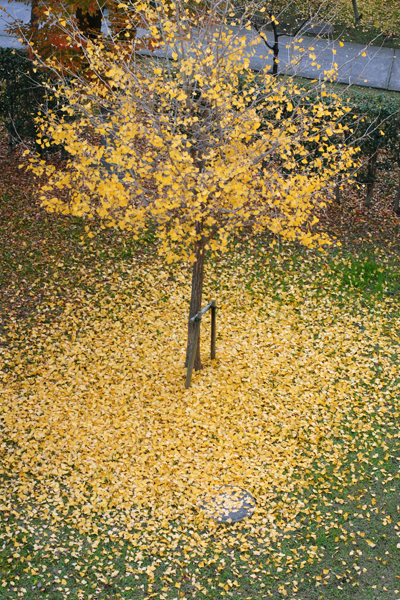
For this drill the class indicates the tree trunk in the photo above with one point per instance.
(396, 206)
(370, 192)
(33, 23)
(10, 143)
(196, 297)
(357, 15)
(274, 71)
(64, 155)
(337, 194)
(89, 24)
(275, 47)
(372, 166)
(10, 124)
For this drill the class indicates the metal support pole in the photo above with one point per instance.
(193, 351)
(213, 311)
(357, 16)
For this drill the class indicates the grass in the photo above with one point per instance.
(332, 568)
(346, 542)
(344, 564)
(365, 33)
(365, 36)
(347, 91)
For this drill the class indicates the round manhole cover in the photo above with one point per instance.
(228, 504)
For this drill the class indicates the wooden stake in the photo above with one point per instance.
(213, 332)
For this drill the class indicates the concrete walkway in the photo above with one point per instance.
(371, 67)
(379, 68)
(16, 10)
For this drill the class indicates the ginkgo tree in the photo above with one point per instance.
(180, 134)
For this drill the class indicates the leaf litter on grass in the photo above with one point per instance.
(122, 450)
(100, 435)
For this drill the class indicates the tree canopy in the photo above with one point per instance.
(188, 138)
